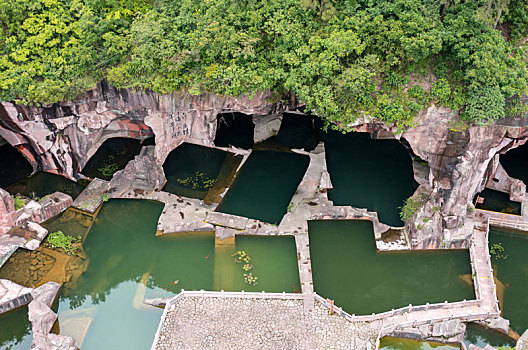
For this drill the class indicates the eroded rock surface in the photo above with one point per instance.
(62, 137)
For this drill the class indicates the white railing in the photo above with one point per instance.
(472, 317)
(394, 312)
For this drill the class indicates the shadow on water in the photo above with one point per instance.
(189, 167)
(482, 336)
(113, 155)
(44, 183)
(366, 173)
(15, 330)
(234, 129)
(13, 166)
(265, 186)
(515, 163)
(392, 343)
(497, 201)
(298, 131)
(347, 268)
(512, 271)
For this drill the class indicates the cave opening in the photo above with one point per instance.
(234, 129)
(515, 162)
(13, 165)
(191, 170)
(497, 201)
(298, 131)
(113, 155)
(376, 174)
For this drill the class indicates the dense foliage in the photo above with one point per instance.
(343, 58)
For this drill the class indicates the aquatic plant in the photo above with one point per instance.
(198, 181)
(250, 279)
(68, 189)
(109, 166)
(19, 202)
(497, 250)
(290, 206)
(60, 240)
(242, 257)
(104, 197)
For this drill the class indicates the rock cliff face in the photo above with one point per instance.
(62, 137)
(461, 162)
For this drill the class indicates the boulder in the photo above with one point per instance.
(522, 343)
(266, 126)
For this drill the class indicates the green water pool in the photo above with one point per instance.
(265, 185)
(347, 269)
(113, 155)
(366, 173)
(482, 336)
(512, 272)
(128, 263)
(392, 343)
(274, 261)
(43, 183)
(195, 163)
(15, 330)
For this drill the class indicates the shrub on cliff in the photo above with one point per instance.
(343, 59)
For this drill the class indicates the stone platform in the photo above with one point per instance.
(254, 323)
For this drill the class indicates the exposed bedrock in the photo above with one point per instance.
(62, 137)
(461, 162)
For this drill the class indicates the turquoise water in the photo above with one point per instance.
(512, 272)
(185, 161)
(482, 336)
(15, 329)
(391, 343)
(372, 174)
(13, 166)
(114, 153)
(265, 185)
(347, 269)
(44, 183)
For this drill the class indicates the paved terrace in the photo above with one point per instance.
(219, 320)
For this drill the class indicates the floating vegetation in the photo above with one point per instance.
(242, 257)
(198, 181)
(497, 250)
(60, 240)
(250, 279)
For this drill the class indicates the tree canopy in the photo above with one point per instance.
(342, 58)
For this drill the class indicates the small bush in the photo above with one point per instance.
(19, 202)
(104, 197)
